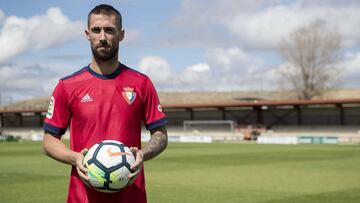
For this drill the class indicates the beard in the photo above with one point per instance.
(106, 54)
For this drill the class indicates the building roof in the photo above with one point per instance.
(178, 100)
(255, 103)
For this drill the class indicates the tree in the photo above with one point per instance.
(310, 53)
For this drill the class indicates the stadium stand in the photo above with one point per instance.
(252, 117)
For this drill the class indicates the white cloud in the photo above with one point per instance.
(131, 36)
(258, 26)
(351, 71)
(223, 70)
(266, 28)
(198, 13)
(18, 35)
(332, 3)
(235, 69)
(196, 74)
(226, 60)
(158, 69)
(261, 24)
(23, 80)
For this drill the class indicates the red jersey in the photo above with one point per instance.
(99, 107)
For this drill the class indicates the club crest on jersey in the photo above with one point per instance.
(129, 95)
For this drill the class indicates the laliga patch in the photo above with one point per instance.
(129, 95)
(50, 111)
(159, 108)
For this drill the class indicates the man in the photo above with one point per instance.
(104, 100)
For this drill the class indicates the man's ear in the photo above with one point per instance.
(121, 35)
(87, 32)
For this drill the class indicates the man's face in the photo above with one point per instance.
(104, 35)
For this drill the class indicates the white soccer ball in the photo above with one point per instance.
(108, 163)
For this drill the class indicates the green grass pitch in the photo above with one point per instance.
(209, 173)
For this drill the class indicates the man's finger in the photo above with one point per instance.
(131, 181)
(132, 175)
(134, 150)
(82, 168)
(82, 174)
(80, 161)
(138, 161)
(86, 182)
(84, 151)
(135, 165)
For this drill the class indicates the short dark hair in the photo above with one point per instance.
(104, 9)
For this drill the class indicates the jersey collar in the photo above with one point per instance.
(105, 77)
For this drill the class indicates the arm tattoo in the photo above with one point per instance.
(156, 144)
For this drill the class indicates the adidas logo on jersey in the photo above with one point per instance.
(86, 98)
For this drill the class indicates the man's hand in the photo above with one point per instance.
(154, 147)
(81, 170)
(137, 165)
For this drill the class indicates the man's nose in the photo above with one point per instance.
(102, 35)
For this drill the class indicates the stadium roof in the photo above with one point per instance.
(254, 103)
(186, 100)
(266, 103)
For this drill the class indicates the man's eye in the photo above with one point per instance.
(95, 30)
(109, 30)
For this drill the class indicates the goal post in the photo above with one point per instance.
(209, 126)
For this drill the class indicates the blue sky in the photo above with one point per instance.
(183, 45)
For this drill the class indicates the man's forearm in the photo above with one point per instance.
(56, 149)
(156, 144)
